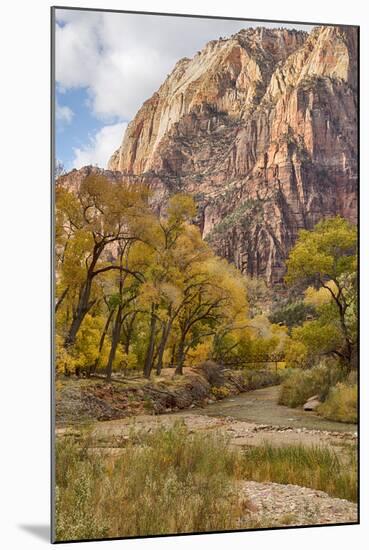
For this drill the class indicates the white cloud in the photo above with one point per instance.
(123, 58)
(63, 113)
(100, 146)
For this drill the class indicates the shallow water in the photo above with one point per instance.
(261, 407)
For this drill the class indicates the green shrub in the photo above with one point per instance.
(296, 355)
(76, 495)
(260, 378)
(341, 403)
(302, 384)
(292, 314)
(220, 392)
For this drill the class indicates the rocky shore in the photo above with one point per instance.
(282, 505)
(86, 400)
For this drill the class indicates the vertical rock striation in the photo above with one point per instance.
(262, 129)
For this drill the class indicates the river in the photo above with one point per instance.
(261, 407)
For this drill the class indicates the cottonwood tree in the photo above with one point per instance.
(326, 258)
(164, 272)
(142, 287)
(213, 292)
(97, 218)
(126, 293)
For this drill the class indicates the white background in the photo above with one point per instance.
(25, 271)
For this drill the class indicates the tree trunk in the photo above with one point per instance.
(342, 308)
(80, 313)
(348, 343)
(180, 355)
(101, 343)
(173, 356)
(60, 301)
(150, 347)
(114, 343)
(84, 304)
(127, 343)
(163, 343)
(128, 331)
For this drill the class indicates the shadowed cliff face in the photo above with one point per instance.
(262, 130)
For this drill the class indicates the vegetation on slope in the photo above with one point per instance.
(341, 403)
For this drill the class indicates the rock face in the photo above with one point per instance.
(262, 129)
(227, 76)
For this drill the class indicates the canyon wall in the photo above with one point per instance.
(261, 129)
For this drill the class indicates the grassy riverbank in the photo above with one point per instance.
(316, 467)
(175, 481)
(337, 391)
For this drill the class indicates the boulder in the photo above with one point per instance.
(312, 404)
(313, 398)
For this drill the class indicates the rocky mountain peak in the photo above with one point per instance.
(261, 128)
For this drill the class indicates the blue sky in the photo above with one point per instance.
(108, 64)
(73, 129)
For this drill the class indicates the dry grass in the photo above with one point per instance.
(341, 404)
(175, 481)
(167, 482)
(315, 467)
(301, 384)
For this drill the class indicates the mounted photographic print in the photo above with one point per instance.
(205, 294)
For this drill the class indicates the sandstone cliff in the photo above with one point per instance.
(262, 129)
